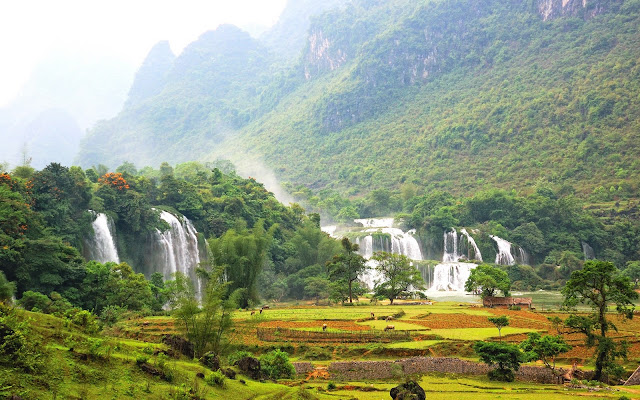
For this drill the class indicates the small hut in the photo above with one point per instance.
(506, 302)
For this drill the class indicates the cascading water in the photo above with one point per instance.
(177, 247)
(102, 247)
(504, 256)
(330, 229)
(388, 239)
(588, 252)
(450, 247)
(451, 275)
(476, 251)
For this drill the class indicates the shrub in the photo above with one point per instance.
(34, 300)
(276, 365)
(85, 320)
(331, 386)
(215, 378)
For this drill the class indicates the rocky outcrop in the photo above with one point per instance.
(551, 9)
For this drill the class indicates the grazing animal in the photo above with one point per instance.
(261, 311)
(253, 312)
(389, 318)
(324, 327)
(389, 327)
(373, 315)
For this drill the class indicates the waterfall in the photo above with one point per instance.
(177, 247)
(330, 230)
(451, 276)
(375, 222)
(450, 247)
(398, 242)
(366, 246)
(472, 243)
(588, 252)
(504, 256)
(102, 247)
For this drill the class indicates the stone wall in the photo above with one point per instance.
(362, 370)
(303, 368)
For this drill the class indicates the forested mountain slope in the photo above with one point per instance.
(454, 94)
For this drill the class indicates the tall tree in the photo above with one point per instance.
(398, 276)
(488, 280)
(204, 322)
(242, 253)
(347, 266)
(599, 286)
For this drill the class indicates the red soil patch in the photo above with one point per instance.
(453, 321)
(343, 325)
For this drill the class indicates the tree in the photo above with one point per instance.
(507, 357)
(399, 277)
(317, 286)
(346, 267)
(242, 253)
(599, 285)
(544, 348)
(488, 280)
(205, 325)
(500, 322)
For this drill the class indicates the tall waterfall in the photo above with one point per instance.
(504, 256)
(450, 247)
(476, 251)
(102, 247)
(177, 247)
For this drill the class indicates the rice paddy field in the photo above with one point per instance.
(441, 329)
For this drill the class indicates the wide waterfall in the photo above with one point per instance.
(379, 235)
(451, 274)
(176, 249)
(102, 246)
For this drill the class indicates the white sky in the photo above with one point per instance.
(31, 30)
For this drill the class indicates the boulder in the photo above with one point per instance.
(179, 344)
(211, 361)
(250, 366)
(409, 390)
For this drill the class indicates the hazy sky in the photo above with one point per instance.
(31, 30)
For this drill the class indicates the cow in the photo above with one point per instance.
(373, 316)
(261, 311)
(389, 318)
(389, 328)
(253, 312)
(324, 327)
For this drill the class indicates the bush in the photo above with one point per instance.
(215, 378)
(34, 300)
(85, 320)
(276, 365)
(112, 314)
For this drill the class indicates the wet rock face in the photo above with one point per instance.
(408, 391)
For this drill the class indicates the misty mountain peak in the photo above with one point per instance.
(152, 75)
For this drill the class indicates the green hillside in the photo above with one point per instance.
(455, 95)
